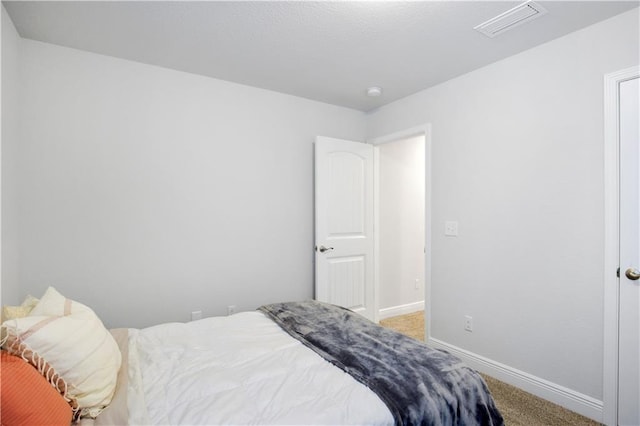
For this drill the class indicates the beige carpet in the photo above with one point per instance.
(518, 407)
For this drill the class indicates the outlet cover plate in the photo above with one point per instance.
(468, 323)
(451, 228)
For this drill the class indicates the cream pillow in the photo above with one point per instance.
(11, 312)
(70, 346)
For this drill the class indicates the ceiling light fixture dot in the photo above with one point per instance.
(374, 91)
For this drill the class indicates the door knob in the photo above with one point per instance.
(322, 249)
(632, 273)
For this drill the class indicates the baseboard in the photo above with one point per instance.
(394, 311)
(567, 398)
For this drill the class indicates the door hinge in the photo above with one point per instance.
(618, 272)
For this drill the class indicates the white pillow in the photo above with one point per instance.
(69, 345)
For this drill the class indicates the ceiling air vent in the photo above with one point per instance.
(511, 19)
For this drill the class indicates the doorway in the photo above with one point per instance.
(346, 214)
(402, 222)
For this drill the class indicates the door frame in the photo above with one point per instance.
(612, 240)
(421, 130)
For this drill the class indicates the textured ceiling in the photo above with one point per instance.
(326, 51)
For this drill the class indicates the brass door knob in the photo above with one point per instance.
(632, 273)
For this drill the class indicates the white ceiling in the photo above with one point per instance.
(326, 51)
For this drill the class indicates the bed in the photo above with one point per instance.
(289, 363)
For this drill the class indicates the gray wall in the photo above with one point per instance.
(517, 161)
(11, 43)
(148, 193)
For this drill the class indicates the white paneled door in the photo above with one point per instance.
(629, 296)
(344, 224)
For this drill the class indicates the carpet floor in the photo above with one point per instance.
(518, 407)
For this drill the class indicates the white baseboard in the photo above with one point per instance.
(567, 398)
(394, 311)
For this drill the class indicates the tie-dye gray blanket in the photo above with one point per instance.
(420, 385)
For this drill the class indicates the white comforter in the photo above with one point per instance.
(238, 370)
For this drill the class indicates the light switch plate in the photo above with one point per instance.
(451, 229)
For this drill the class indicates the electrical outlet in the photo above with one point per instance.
(231, 309)
(196, 315)
(417, 284)
(451, 228)
(468, 323)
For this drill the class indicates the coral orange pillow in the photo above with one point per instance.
(68, 344)
(27, 398)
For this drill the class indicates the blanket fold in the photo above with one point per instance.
(420, 385)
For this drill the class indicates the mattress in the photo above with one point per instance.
(236, 370)
(246, 369)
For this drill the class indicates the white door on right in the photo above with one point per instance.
(629, 296)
